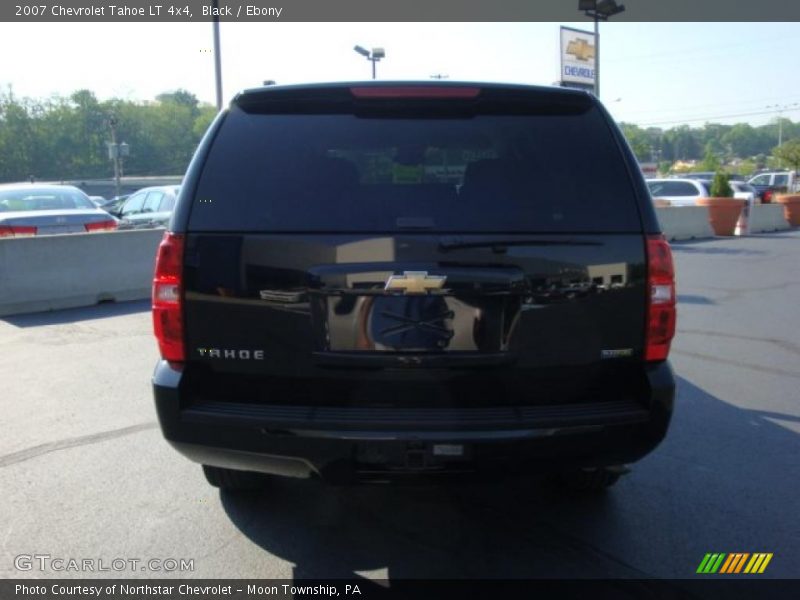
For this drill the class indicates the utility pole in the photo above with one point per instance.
(116, 152)
(779, 109)
(113, 152)
(217, 59)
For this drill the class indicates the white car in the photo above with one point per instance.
(685, 192)
(679, 192)
(745, 191)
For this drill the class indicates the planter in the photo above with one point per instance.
(723, 213)
(791, 207)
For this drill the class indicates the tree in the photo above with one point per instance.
(742, 140)
(684, 142)
(637, 140)
(710, 160)
(205, 115)
(720, 188)
(181, 98)
(746, 167)
(789, 152)
(712, 136)
(16, 138)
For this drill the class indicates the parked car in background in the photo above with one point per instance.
(771, 183)
(679, 192)
(98, 201)
(745, 191)
(31, 209)
(686, 191)
(113, 205)
(148, 208)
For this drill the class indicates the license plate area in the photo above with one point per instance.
(60, 229)
(411, 455)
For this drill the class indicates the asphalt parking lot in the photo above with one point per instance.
(84, 472)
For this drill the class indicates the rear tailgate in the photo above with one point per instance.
(481, 249)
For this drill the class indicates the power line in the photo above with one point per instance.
(694, 50)
(694, 120)
(738, 106)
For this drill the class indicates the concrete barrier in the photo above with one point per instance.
(684, 222)
(65, 271)
(767, 217)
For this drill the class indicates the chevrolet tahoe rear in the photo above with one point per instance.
(368, 280)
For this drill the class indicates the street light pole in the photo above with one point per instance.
(373, 57)
(596, 56)
(217, 59)
(599, 10)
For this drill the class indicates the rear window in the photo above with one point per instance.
(32, 199)
(341, 172)
(672, 188)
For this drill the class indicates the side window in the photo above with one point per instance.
(678, 188)
(683, 188)
(781, 179)
(168, 203)
(134, 204)
(761, 180)
(656, 189)
(152, 201)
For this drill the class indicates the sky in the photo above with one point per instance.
(652, 74)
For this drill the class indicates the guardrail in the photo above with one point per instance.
(684, 222)
(767, 217)
(66, 271)
(691, 222)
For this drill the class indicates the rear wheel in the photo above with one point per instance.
(229, 479)
(590, 480)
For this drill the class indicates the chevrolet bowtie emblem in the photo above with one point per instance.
(415, 282)
(581, 49)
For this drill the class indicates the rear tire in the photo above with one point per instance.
(590, 480)
(231, 480)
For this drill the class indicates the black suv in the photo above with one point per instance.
(371, 279)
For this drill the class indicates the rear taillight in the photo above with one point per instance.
(767, 197)
(109, 225)
(415, 91)
(167, 302)
(16, 231)
(661, 313)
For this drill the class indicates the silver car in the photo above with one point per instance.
(32, 209)
(148, 208)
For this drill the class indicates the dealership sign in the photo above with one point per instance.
(577, 56)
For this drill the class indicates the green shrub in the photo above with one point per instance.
(720, 187)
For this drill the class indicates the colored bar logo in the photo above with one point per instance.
(737, 562)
